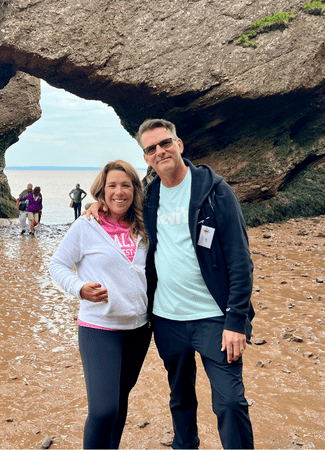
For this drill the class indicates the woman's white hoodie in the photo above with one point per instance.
(98, 258)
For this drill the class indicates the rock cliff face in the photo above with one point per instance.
(255, 111)
(19, 108)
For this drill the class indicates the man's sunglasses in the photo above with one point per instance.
(166, 143)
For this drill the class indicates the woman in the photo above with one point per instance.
(34, 207)
(114, 332)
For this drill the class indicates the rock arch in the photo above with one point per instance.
(238, 108)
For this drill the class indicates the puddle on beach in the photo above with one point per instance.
(41, 378)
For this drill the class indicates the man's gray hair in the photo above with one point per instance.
(151, 124)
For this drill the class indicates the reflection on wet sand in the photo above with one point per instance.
(41, 379)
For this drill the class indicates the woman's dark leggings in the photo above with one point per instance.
(112, 362)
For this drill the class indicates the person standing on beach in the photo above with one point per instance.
(22, 207)
(199, 272)
(76, 196)
(34, 206)
(114, 330)
(200, 276)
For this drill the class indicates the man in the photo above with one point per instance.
(22, 207)
(200, 277)
(76, 196)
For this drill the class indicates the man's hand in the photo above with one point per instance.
(94, 293)
(234, 343)
(93, 211)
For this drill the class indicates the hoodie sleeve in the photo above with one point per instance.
(234, 245)
(68, 254)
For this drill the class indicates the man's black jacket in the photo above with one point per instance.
(226, 267)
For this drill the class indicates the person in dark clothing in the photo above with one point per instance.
(199, 273)
(77, 195)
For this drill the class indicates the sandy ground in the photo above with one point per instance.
(41, 378)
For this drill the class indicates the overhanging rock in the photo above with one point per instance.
(255, 113)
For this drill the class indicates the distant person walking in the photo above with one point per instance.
(34, 207)
(22, 207)
(76, 196)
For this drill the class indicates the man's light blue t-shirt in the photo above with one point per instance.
(181, 292)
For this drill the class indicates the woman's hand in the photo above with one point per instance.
(94, 293)
(93, 211)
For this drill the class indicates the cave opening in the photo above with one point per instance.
(69, 144)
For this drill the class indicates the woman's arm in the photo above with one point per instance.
(68, 254)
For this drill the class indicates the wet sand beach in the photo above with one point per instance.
(41, 378)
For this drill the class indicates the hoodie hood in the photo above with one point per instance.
(206, 181)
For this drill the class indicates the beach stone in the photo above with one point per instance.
(47, 441)
(286, 335)
(290, 305)
(144, 423)
(167, 439)
(259, 341)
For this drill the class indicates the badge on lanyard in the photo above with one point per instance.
(206, 236)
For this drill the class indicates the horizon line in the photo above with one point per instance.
(59, 168)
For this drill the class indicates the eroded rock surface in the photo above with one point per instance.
(19, 108)
(256, 115)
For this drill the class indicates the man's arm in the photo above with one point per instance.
(84, 195)
(233, 240)
(93, 211)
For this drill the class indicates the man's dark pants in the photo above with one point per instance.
(177, 342)
(77, 209)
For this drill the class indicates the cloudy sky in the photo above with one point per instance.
(73, 132)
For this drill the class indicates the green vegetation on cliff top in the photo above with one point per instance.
(316, 8)
(279, 20)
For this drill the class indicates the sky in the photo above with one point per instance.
(74, 132)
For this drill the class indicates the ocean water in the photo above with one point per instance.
(55, 187)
